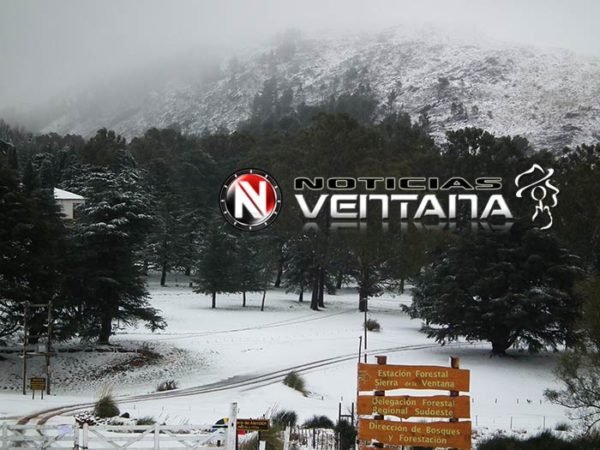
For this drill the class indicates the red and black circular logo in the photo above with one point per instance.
(250, 199)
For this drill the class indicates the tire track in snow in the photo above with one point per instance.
(238, 381)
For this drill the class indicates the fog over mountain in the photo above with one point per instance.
(75, 66)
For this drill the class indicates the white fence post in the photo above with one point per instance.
(84, 437)
(156, 437)
(5, 435)
(286, 438)
(232, 428)
(75, 437)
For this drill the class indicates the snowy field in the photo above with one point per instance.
(231, 353)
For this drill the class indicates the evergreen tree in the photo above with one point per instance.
(246, 266)
(216, 264)
(299, 264)
(578, 211)
(105, 280)
(31, 244)
(514, 288)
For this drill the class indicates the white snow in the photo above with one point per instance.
(240, 344)
(548, 95)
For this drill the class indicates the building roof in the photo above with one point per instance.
(59, 194)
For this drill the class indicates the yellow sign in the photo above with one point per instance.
(383, 377)
(405, 406)
(417, 434)
(37, 384)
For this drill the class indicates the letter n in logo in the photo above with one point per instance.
(250, 199)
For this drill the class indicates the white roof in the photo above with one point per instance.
(59, 194)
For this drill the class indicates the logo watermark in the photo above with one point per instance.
(250, 199)
(539, 189)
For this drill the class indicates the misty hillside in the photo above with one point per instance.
(551, 97)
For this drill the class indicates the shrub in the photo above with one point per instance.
(372, 325)
(148, 355)
(284, 418)
(106, 406)
(318, 422)
(563, 426)
(543, 441)
(167, 385)
(148, 420)
(295, 381)
(347, 433)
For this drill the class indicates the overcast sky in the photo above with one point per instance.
(47, 46)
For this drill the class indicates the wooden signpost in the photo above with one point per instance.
(253, 424)
(382, 377)
(37, 384)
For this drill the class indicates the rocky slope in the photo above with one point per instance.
(550, 96)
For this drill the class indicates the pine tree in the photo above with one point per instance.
(31, 244)
(245, 270)
(105, 282)
(215, 269)
(514, 288)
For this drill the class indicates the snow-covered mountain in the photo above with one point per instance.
(550, 96)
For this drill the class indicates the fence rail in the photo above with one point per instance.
(108, 437)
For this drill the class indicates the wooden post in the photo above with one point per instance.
(359, 347)
(25, 339)
(455, 364)
(381, 360)
(48, 349)
(365, 323)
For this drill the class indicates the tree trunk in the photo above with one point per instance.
(214, 300)
(321, 288)
(279, 274)
(262, 304)
(163, 275)
(145, 267)
(105, 328)
(339, 280)
(499, 347)
(402, 285)
(301, 295)
(243, 299)
(314, 300)
(188, 271)
(362, 301)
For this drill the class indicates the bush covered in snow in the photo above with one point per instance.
(295, 381)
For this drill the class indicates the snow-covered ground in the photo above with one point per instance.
(244, 353)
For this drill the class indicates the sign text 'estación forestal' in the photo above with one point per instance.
(383, 377)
